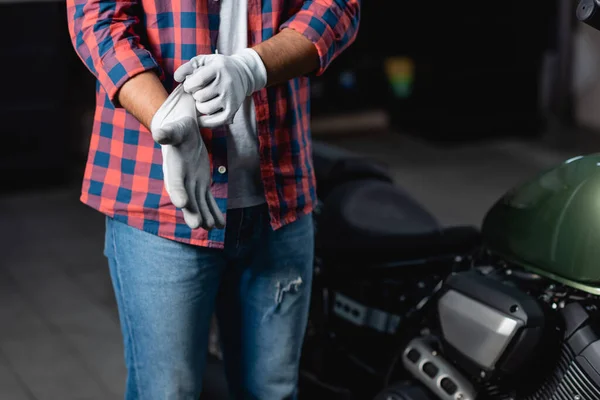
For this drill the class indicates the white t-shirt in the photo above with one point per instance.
(245, 185)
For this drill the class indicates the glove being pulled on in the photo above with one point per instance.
(220, 83)
(186, 164)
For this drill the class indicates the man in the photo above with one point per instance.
(230, 142)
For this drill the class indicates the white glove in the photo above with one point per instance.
(220, 83)
(186, 164)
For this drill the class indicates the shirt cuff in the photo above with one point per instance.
(122, 63)
(318, 32)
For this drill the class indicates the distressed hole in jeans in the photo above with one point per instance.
(292, 286)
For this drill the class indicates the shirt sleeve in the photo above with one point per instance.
(103, 33)
(331, 25)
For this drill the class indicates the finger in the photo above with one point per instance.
(207, 218)
(191, 218)
(182, 72)
(189, 67)
(210, 107)
(191, 213)
(175, 178)
(205, 94)
(215, 211)
(214, 120)
(201, 78)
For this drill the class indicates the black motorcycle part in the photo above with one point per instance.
(575, 316)
(369, 317)
(474, 341)
(311, 387)
(583, 340)
(377, 222)
(404, 391)
(589, 360)
(576, 372)
(335, 166)
(588, 13)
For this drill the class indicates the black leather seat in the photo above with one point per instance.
(377, 219)
(335, 166)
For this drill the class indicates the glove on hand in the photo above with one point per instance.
(186, 165)
(220, 83)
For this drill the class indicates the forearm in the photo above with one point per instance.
(287, 55)
(142, 96)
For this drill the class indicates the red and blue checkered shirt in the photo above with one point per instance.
(118, 39)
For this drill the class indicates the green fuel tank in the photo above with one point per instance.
(551, 224)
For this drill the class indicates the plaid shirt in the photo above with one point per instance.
(118, 39)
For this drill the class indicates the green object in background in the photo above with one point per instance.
(400, 75)
(551, 224)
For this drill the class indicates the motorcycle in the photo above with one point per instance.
(404, 309)
(522, 321)
(507, 312)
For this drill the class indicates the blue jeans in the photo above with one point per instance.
(166, 292)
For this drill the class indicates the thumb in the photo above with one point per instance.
(182, 72)
(191, 66)
(170, 134)
(188, 68)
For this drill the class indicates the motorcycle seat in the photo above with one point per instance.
(334, 166)
(380, 220)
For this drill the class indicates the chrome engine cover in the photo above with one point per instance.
(478, 331)
(489, 326)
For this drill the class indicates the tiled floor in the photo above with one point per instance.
(59, 333)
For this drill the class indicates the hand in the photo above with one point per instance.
(186, 164)
(220, 83)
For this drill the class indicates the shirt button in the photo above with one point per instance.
(222, 169)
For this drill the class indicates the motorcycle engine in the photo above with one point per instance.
(501, 333)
